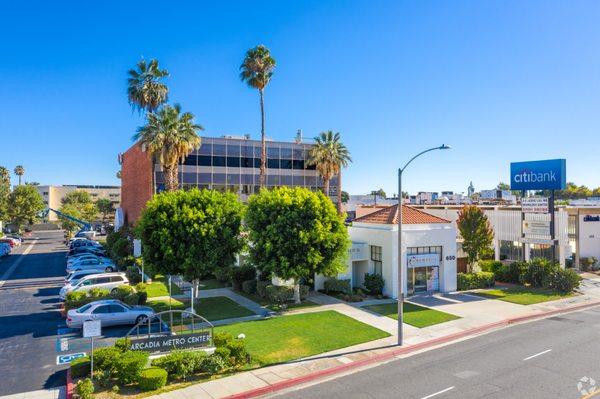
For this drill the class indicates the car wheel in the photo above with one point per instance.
(141, 318)
(108, 269)
(113, 291)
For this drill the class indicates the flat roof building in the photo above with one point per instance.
(221, 163)
(53, 195)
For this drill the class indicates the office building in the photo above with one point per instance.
(53, 195)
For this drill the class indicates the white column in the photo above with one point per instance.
(527, 252)
(496, 250)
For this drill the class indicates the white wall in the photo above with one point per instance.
(589, 238)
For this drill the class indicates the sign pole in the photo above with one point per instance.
(523, 193)
(92, 360)
(552, 222)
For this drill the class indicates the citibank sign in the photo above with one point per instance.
(549, 174)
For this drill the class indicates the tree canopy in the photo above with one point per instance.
(145, 89)
(105, 207)
(78, 204)
(191, 233)
(476, 232)
(4, 192)
(24, 205)
(295, 233)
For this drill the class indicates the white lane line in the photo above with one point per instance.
(537, 354)
(438, 393)
(11, 269)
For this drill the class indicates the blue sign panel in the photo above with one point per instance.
(64, 359)
(550, 174)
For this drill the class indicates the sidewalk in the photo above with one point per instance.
(478, 315)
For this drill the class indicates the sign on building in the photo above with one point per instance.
(423, 260)
(549, 174)
(534, 205)
(536, 227)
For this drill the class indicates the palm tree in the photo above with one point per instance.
(19, 171)
(145, 89)
(170, 136)
(256, 71)
(330, 155)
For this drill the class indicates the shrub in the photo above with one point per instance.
(221, 339)
(122, 291)
(75, 300)
(105, 359)
(511, 273)
(238, 352)
(223, 274)
(374, 283)
(180, 364)
(470, 281)
(565, 280)
(304, 290)
(152, 379)
(97, 294)
(80, 367)
(123, 344)
(249, 286)
(133, 274)
(212, 364)
(538, 272)
(335, 285)
(489, 265)
(261, 288)
(279, 294)
(129, 366)
(84, 389)
(225, 354)
(241, 274)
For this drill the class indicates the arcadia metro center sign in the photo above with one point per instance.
(549, 174)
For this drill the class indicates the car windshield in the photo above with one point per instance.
(84, 308)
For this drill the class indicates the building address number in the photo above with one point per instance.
(450, 257)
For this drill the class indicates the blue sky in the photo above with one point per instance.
(499, 81)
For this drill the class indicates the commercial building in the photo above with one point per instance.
(53, 195)
(498, 196)
(221, 163)
(428, 251)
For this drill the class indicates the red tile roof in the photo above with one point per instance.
(389, 215)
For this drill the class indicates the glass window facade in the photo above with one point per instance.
(233, 164)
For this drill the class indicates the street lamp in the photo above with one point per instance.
(400, 285)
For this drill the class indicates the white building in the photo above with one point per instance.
(428, 251)
(498, 195)
(53, 195)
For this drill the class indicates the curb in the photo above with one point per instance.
(69, 387)
(279, 386)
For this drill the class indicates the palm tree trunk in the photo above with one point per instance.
(263, 152)
(326, 187)
(339, 193)
(170, 174)
(19, 180)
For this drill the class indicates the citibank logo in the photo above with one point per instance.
(535, 177)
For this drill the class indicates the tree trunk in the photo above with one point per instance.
(326, 187)
(263, 152)
(296, 291)
(170, 177)
(339, 193)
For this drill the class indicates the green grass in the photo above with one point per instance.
(160, 287)
(216, 308)
(293, 306)
(211, 284)
(285, 338)
(415, 315)
(523, 295)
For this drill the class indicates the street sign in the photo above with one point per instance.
(92, 328)
(534, 205)
(66, 359)
(536, 227)
(137, 248)
(541, 241)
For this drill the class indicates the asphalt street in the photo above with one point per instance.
(558, 357)
(29, 314)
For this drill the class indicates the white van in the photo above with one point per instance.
(105, 281)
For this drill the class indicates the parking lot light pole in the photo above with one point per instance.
(400, 285)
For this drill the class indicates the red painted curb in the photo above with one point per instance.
(69, 387)
(397, 352)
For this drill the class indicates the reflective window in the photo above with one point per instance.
(205, 149)
(219, 149)
(233, 162)
(298, 164)
(204, 160)
(273, 163)
(191, 160)
(218, 161)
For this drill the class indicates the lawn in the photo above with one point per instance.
(293, 306)
(285, 338)
(160, 287)
(211, 284)
(216, 308)
(523, 295)
(415, 315)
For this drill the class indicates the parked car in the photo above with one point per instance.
(8, 241)
(91, 263)
(74, 259)
(87, 250)
(74, 277)
(106, 281)
(17, 238)
(110, 312)
(4, 249)
(85, 243)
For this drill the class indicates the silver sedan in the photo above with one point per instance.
(110, 312)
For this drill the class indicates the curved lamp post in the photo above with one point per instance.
(400, 263)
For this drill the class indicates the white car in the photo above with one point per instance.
(84, 243)
(4, 249)
(90, 264)
(106, 281)
(73, 278)
(75, 259)
(110, 312)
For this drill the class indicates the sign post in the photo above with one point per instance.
(137, 252)
(91, 329)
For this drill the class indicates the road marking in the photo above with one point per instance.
(537, 354)
(11, 269)
(438, 393)
(591, 394)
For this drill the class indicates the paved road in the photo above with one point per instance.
(543, 359)
(29, 315)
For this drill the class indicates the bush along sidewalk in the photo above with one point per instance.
(118, 367)
(130, 295)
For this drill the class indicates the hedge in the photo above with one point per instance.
(125, 293)
(221, 339)
(261, 288)
(374, 283)
(335, 285)
(80, 367)
(489, 265)
(249, 286)
(223, 274)
(84, 389)
(279, 293)
(470, 281)
(539, 272)
(152, 379)
(241, 274)
(129, 366)
(181, 364)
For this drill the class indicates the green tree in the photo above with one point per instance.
(145, 89)
(345, 197)
(76, 197)
(105, 207)
(24, 205)
(72, 210)
(171, 136)
(256, 70)
(502, 186)
(78, 204)
(19, 171)
(330, 155)
(4, 192)
(476, 232)
(190, 233)
(295, 233)
(379, 193)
